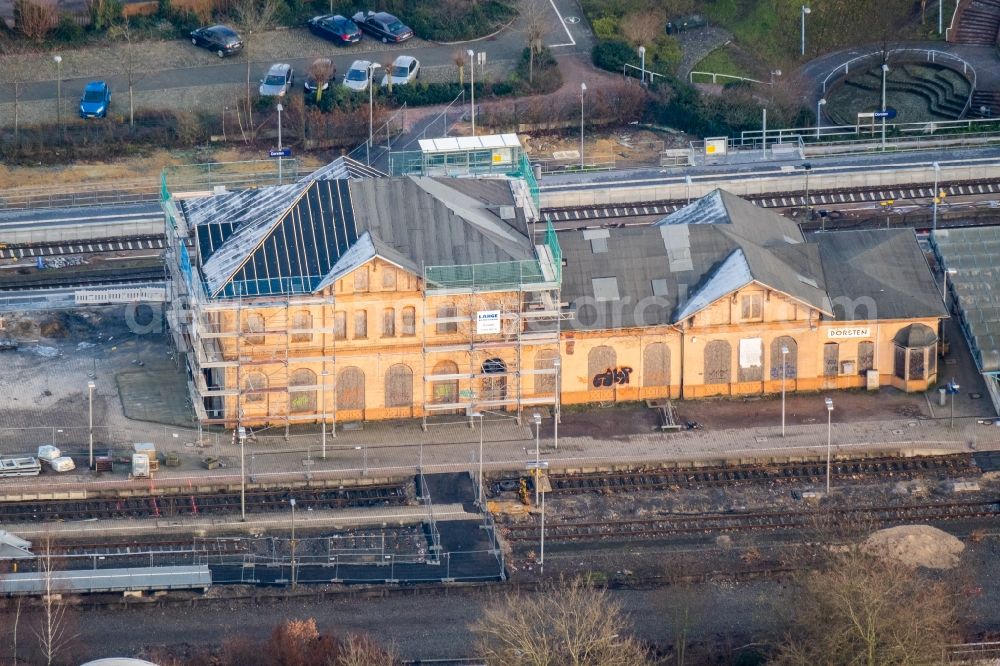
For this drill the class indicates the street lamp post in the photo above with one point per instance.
(541, 549)
(885, 70)
(472, 87)
(805, 10)
(293, 544)
(242, 434)
(90, 396)
(280, 109)
(481, 496)
(324, 375)
(937, 173)
(952, 389)
(371, 109)
(940, 16)
(944, 284)
(829, 448)
(583, 89)
(538, 423)
(642, 64)
(784, 357)
(58, 60)
(556, 364)
(807, 167)
(819, 116)
(687, 186)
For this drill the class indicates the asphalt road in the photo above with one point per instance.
(507, 45)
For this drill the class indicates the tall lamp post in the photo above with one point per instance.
(90, 397)
(937, 194)
(819, 116)
(807, 167)
(538, 423)
(280, 109)
(324, 375)
(642, 64)
(242, 434)
(944, 284)
(371, 109)
(481, 496)
(952, 389)
(784, 365)
(293, 544)
(583, 90)
(472, 88)
(805, 10)
(885, 70)
(58, 60)
(829, 432)
(940, 16)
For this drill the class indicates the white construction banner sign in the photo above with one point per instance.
(487, 322)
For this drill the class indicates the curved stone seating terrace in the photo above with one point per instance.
(919, 91)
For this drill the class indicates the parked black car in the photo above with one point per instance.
(219, 38)
(338, 29)
(383, 26)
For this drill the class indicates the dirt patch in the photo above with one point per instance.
(916, 546)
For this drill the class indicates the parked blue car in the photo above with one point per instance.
(95, 100)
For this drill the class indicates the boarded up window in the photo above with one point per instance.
(302, 400)
(445, 391)
(494, 388)
(831, 359)
(718, 362)
(409, 321)
(254, 329)
(788, 362)
(340, 325)
(545, 384)
(388, 323)
(899, 362)
(350, 388)
(361, 279)
(751, 368)
(254, 386)
(599, 361)
(917, 363)
(300, 322)
(866, 356)
(656, 365)
(389, 278)
(399, 386)
(361, 324)
(447, 327)
(752, 306)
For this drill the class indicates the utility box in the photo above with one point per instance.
(140, 465)
(871, 380)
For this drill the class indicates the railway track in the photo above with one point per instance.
(57, 279)
(571, 217)
(156, 506)
(680, 525)
(56, 249)
(872, 469)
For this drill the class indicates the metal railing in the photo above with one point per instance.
(563, 165)
(715, 76)
(374, 148)
(648, 72)
(931, 55)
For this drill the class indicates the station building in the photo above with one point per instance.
(348, 296)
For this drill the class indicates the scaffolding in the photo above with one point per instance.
(484, 324)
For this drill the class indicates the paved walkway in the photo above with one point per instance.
(696, 44)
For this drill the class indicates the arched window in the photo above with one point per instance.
(254, 329)
(831, 359)
(446, 390)
(302, 325)
(302, 400)
(409, 320)
(718, 362)
(866, 356)
(399, 386)
(254, 387)
(494, 388)
(350, 388)
(656, 365)
(545, 360)
(784, 365)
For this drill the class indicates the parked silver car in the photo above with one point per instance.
(358, 76)
(278, 81)
(405, 69)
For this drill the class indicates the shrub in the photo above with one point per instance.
(104, 13)
(606, 28)
(665, 55)
(68, 30)
(612, 55)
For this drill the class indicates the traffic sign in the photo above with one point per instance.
(284, 152)
(888, 114)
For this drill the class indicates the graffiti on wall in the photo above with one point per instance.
(612, 376)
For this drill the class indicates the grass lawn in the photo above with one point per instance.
(721, 61)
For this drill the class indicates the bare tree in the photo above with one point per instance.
(322, 72)
(865, 610)
(35, 19)
(565, 623)
(645, 27)
(535, 22)
(363, 650)
(459, 59)
(16, 78)
(53, 631)
(130, 63)
(253, 17)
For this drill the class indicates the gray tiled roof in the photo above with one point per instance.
(721, 243)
